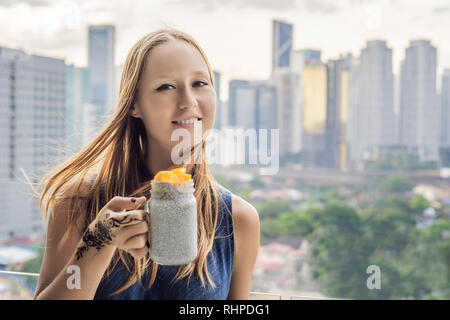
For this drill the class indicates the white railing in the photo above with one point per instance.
(20, 273)
(253, 294)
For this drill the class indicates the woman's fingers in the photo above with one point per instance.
(124, 219)
(139, 253)
(137, 242)
(127, 233)
(125, 203)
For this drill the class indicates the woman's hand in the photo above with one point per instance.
(117, 227)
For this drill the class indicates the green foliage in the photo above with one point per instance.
(396, 185)
(401, 161)
(297, 223)
(257, 183)
(414, 263)
(273, 208)
(419, 203)
(272, 228)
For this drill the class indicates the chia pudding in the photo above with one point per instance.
(173, 222)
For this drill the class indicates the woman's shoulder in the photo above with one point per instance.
(244, 213)
(242, 209)
(73, 195)
(76, 188)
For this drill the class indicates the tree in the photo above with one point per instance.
(273, 208)
(396, 185)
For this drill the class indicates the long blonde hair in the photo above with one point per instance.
(115, 160)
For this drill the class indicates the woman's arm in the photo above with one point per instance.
(246, 243)
(87, 254)
(55, 272)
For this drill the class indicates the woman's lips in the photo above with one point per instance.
(187, 125)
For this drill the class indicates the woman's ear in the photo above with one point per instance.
(135, 110)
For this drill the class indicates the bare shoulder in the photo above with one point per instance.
(76, 187)
(246, 240)
(245, 214)
(72, 196)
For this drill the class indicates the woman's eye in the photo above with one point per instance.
(164, 86)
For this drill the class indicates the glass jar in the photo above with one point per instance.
(173, 223)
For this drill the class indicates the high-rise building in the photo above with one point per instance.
(266, 116)
(253, 104)
(218, 120)
(314, 114)
(242, 110)
(32, 128)
(300, 59)
(445, 109)
(282, 42)
(375, 108)
(77, 96)
(353, 112)
(419, 110)
(289, 116)
(241, 103)
(101, 68)
(337, 112)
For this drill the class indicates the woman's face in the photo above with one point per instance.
(175, 86)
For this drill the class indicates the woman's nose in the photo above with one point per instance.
(188, 100)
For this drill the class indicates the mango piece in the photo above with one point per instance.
(184, 177)
(175, 176)
(181, 174)
(165, 176)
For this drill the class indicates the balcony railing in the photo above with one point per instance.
(25, 284)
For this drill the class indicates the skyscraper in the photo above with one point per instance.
(314, 114)
(300, 59)
(337, 112)
(289, 117)
(419, 111)
(101, 68)
(32, 127)
(375, 122)
(240, 97)
(218, 120)
(77, 96)
(282, 42)
(266, 105)
(353, 113)
(445, 109)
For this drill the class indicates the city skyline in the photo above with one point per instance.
(59, 29)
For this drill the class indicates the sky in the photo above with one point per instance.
(235, 34)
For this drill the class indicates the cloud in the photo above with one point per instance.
(440, 10)
(320, 6)
(31, 3)
(312, 6)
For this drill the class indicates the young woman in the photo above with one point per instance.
(97, 228)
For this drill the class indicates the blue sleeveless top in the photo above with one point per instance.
(220, 261)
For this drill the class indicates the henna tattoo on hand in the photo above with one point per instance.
(102, 234)
(98, 238)
(114, 222)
